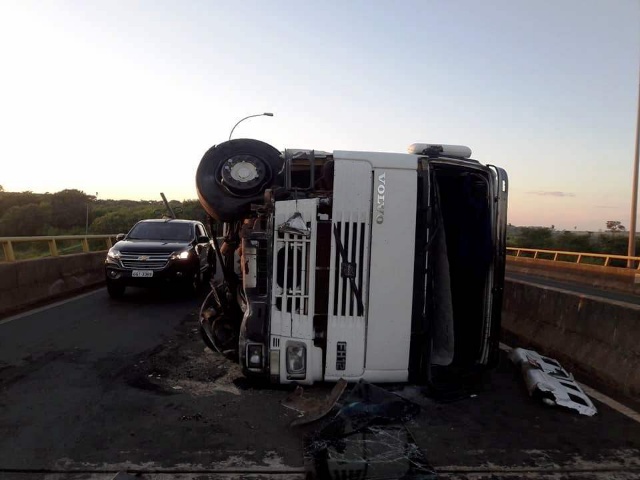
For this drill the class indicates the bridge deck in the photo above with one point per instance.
(94, 386)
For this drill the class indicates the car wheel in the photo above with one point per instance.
(115, 290)
(235, 174)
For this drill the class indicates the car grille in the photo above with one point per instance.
(143, 260)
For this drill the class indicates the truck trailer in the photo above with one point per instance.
(385, 267)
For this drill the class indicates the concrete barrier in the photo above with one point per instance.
(591, 336)
(31, 282)
(608, 278)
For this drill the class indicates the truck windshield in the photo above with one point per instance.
(161, 231)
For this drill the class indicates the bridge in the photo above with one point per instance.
(91, 386)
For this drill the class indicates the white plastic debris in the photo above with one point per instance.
(553, 383)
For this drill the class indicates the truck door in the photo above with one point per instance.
(500, 201)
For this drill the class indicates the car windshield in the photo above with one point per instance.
(161, 231)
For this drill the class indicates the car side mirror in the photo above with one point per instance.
(203, 239)
(120, 236)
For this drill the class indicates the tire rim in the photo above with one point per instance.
(244, 174)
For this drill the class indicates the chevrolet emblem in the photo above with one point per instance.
(143, 257)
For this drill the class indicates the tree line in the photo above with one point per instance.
(614, 241)
(69, 212)
(66, 213)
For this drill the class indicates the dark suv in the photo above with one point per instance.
(156, 252)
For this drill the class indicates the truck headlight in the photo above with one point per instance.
(183, 255)
(254, 355)
(297, 359)
(113, 253)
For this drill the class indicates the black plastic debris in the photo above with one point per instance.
(367, 438)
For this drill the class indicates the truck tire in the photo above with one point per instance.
(235, 174)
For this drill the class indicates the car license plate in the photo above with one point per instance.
(142, 273)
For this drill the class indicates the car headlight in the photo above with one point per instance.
(113, 253)
(297, 360)
(183, 255)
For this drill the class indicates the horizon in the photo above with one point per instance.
(551, 227)
(124, 99)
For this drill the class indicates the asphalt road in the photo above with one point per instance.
(83, 389)
(94, 386)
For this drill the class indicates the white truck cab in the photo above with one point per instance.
(387, 267)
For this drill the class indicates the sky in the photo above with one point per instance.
(122, 98)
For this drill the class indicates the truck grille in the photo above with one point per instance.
(143, 260)
(293, 272)
(353, 237)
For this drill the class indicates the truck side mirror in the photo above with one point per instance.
(120, 236)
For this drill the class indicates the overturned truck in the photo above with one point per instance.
(386, 267)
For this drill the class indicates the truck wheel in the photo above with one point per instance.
(115, 290)
(235, 174)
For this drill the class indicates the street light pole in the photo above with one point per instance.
(265, 114)
(634, 190)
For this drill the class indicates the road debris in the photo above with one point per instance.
(184, 367)
(310, 408)
(195, 416)
(545, 378)
(367, 438)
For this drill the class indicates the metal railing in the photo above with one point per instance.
(81, 242)
(600, 259)
(77, 243)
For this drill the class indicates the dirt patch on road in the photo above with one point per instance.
(184, 364)
(13, 373)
